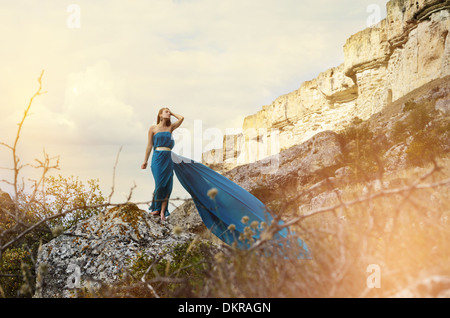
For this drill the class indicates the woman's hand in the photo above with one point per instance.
(144, 165)
(178, 122)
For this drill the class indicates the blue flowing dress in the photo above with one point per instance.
(162, 170)
(230, 204)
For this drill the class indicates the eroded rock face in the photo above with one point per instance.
(290, 168)
(98, 249)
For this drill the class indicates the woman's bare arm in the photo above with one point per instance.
(148, 150)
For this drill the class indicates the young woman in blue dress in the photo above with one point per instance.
(226, 208)
(160, 136)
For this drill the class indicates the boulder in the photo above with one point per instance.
(300, 162)
(97, 250)
(443, 105)
(186, 216)
(396, 158)
(343, 173)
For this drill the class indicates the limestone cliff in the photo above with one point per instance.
(383, 63)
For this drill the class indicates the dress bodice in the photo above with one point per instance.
(163, 139)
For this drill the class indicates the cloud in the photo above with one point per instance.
(94, 105)
(93, 111)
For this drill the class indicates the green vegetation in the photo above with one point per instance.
(62, 194)
(58, 196)
(361, 150)
(187, 266)
(429, 136)
(424, 132)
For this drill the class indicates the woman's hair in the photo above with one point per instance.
(168, 123)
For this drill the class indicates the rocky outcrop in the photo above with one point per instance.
(283, 174)
(408, 49)
(97, 250)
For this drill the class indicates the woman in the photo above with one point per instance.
(162, 164)
(225, 207)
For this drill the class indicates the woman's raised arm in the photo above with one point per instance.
(178, 122)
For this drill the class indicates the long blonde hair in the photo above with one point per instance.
(168, 123)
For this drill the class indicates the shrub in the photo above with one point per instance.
(60, 194)
(428, 132)
(361, 150)
(16, 266)
(63, 194)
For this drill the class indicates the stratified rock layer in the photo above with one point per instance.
(382, 63)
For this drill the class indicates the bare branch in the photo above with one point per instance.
(14, 148)
(114, 175)
(5, 145)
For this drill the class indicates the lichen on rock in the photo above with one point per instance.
(97, 250)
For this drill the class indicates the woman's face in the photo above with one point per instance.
(165, 113)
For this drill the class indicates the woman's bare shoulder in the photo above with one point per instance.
(152, 130)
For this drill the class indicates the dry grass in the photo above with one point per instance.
(406, 234)
(403, 230)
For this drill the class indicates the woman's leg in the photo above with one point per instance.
(163, 208)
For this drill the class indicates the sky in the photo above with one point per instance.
(109, 66)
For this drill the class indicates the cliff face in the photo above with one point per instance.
(383, 63)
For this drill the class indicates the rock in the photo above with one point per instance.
(443, 105)
(186, 216)
(291, 167)
(324, 199)
(5, 200)
(98, 249)
(374, 186)
(395, 158)
(343, 172)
